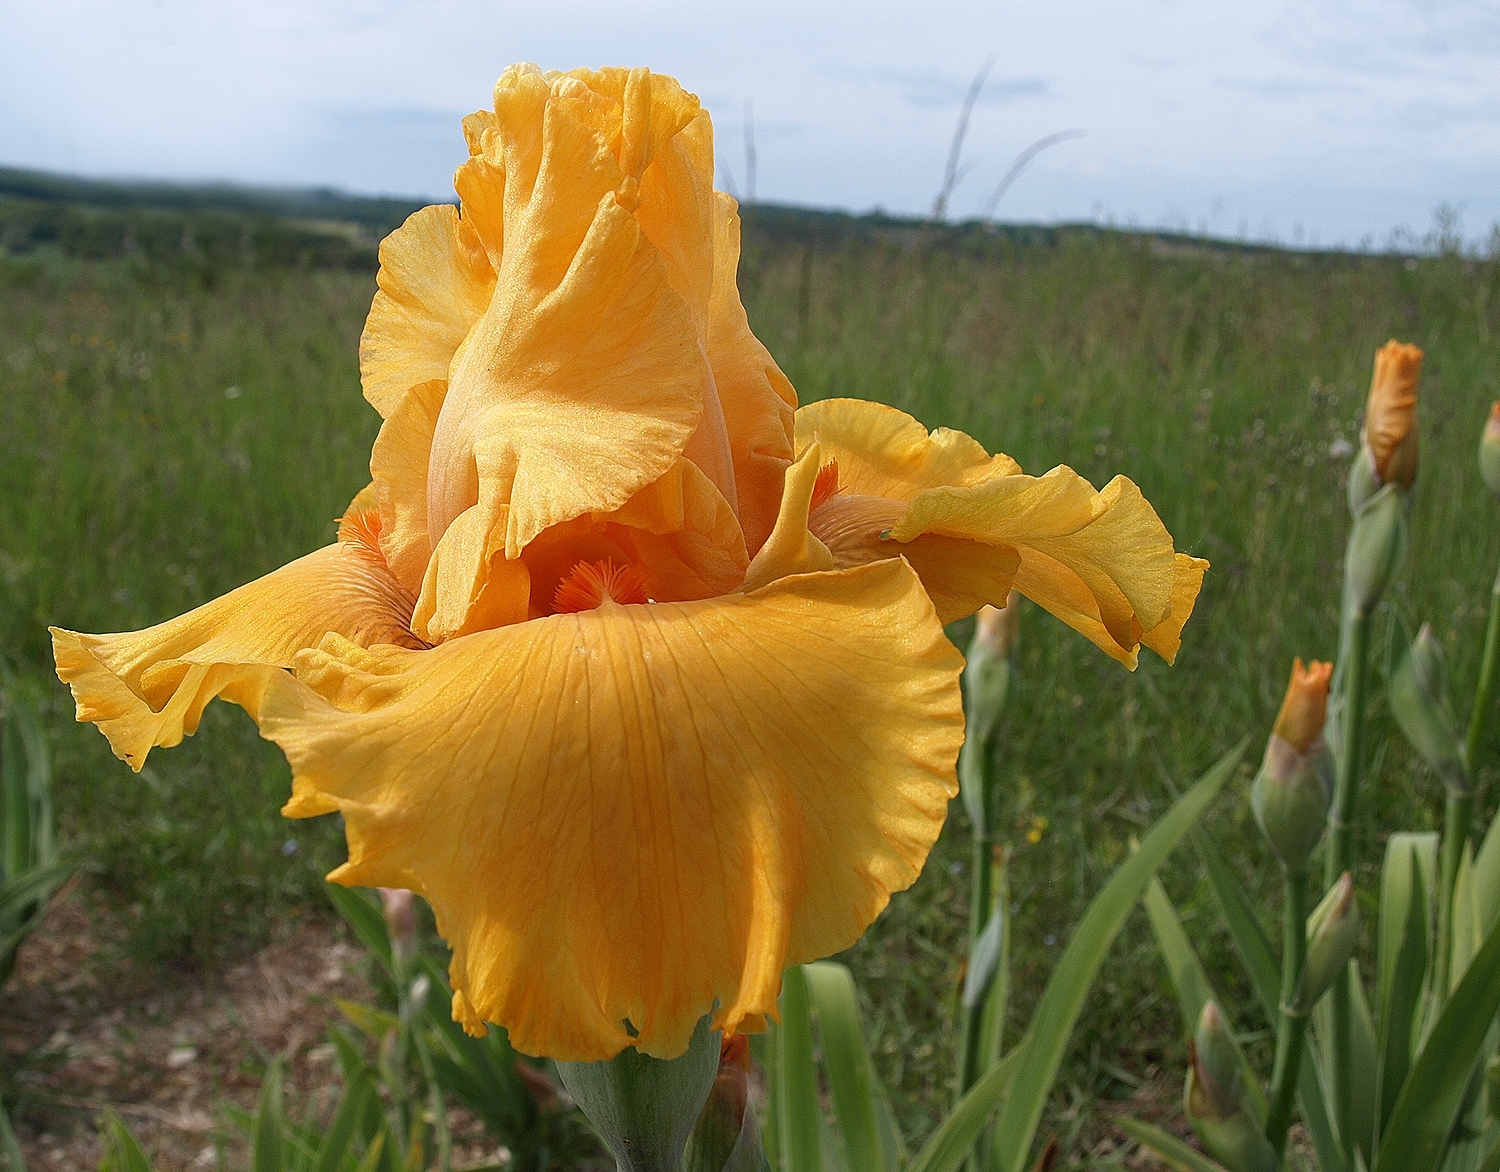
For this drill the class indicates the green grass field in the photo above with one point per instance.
(174, 429)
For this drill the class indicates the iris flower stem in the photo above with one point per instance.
(982, 892)
(1293, 1022)
(1341, 858)
(980, 895)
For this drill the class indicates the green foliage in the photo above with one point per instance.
(818, 1014)
(30, 869)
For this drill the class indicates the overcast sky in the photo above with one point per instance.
(1325, 121)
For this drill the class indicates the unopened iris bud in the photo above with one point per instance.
(1332, 933)
(400, 920)
(987, 675)
(1215, 1102)
(1391, 414)
(726, 1138)
(1418, 695)
(1374, 549)
(1290, 794)
(1489, 451)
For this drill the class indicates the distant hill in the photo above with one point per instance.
(378, 215)
(216, 224)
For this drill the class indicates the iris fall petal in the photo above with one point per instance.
(148, 688)
(632, 813)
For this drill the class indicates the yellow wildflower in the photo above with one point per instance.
(639, 680)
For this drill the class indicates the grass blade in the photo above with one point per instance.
(1172, 1151)
(338, 1143)
(797, 1106)
(1433, 1094)
(846, 1061)
(1183, 966)
(267, 1154)
(10, 1147)
(1468, 930)
(123, 1152)
(1062, 1000)
(1487, 876)
(953, 1142)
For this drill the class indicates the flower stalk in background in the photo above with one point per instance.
(1380, 481)
(988, 678)
(1290, 798)
(635, 672)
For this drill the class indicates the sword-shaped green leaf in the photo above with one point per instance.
(1172, 1151)
(1062, 1000)
(846, 1062)
(1434, 1091)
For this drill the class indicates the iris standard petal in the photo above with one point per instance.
(637, 813)
(149, 688)
(883, 452)
(585, 378)
(757, 399)
(434, 284)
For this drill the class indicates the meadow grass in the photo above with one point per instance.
(168, 437)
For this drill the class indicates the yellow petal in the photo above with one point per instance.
(757, 400)
(683, 535)
(398, 464)
(884, 452)
(434, 284)
(634, 813)
(469, 585)
(1112, 541)
(1166, 637)
(568, 397)
(791, 548)
(1101, 561)
(149, 688)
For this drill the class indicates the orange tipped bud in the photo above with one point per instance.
(1391, 413)
(1300, 721)
(1489, 451)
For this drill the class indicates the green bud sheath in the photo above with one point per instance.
(644, 1108)
(1364, 481)
(1418, 696)
(1374, 548)
(1215, 1104)
(1332, 933)
(1489, 451)
(1290, 797)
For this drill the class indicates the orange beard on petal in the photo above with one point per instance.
(592, 583)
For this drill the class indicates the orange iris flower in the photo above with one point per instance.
(638, 677)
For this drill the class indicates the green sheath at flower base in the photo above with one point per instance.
(1364, 481)
(1418, 695)
(1215, 1101)
(1332, 933)
(644, 1108)
(1374, 548)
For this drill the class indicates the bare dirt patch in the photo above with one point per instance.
(83, 1031)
